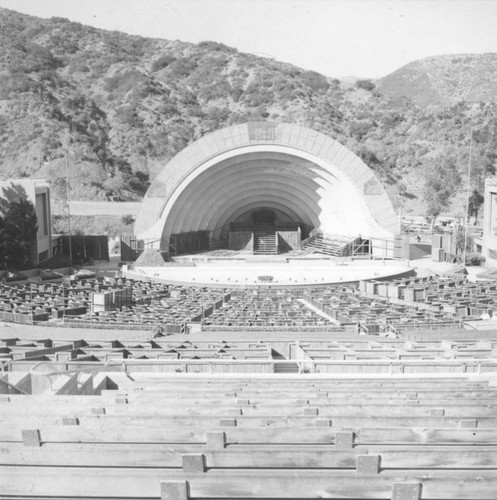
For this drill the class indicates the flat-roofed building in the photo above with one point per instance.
(489, 244)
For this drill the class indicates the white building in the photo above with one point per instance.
(489, 247)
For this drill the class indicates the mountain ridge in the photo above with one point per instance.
(120, 106)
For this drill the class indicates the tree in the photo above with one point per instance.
(127, 219)
(475, 202)
(441, 183)
(18, 231)
(3, 245)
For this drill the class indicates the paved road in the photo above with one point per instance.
(112, 208)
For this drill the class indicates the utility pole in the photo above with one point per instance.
(467, 195)
(67, 201)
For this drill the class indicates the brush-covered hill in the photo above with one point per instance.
(444, 80)
(121, 106)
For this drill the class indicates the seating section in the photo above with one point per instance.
(455, 296)
(396, 356)
(381, 393)
(265, 308)
(372, 307)
(74, 303)
(24, 355)
(350, 354)
(179, 437)
(383, 307)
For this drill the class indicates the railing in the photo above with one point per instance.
(105, 326)
(25, 319)
(408, 367)
(360, 247)
(95, 325)
(274, 328)
(429, 325)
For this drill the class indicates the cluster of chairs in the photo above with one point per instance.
(265, 308)
(376, 313)
(40, 301)
(181, 437)
(454, 296)
(151, 304)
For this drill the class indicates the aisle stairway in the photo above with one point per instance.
(329, 244)
(290, 367)
(265, 242)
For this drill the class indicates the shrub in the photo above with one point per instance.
(163, 62)
(215, 47)
(125, 81)
(365, 85)
(127, 219)
(182, 67)
(474, 259)
(453, 258)
(360, 128)
(128, 115)
(315, 81)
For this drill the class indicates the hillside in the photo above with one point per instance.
(123, 105)
(444, 80)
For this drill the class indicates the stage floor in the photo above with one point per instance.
(272, 272)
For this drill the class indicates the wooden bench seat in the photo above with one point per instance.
(289, 435)
(276, 411)
(181, 437)
(260, 400)
(133, 483)
(242, 421)
(248, 456)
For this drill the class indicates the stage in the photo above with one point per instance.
(277, 271)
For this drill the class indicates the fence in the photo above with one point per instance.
(325, 367)
(164, 328)
(25, 319)
(274, 328)
(429, 325)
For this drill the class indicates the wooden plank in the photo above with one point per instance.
(315, 398)
(246, 456)
(167, 380)
(240, 401)
(215, 483)
(289, 391)
(414, 409)
(277, 390)
(262, 397)
(309, 380)
(314, 435)
(318, 391)
(33, 421)
(199, 385)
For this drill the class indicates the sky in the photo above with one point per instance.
(339, 38)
